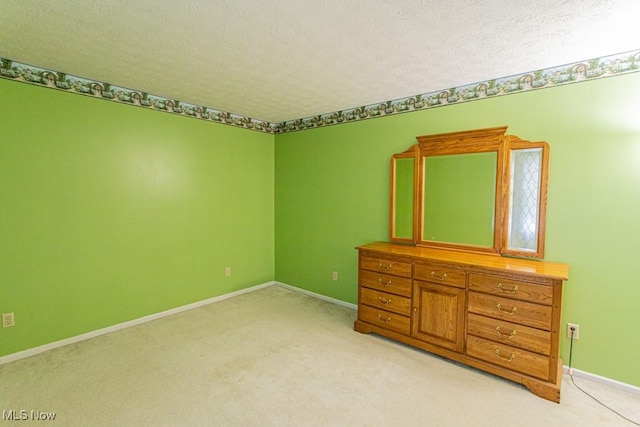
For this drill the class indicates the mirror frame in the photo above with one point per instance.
(467, 142)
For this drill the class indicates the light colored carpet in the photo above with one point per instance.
(275, 357)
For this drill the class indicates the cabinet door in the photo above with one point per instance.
(438, 314)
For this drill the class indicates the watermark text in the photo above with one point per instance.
(27, 415)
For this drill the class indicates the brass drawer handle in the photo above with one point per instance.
(512, 311)
(508, 359)
(384, 319)
(508, 291)
(384, 301)
(443, 277)
(511, 336)
(385, 266)
(387, 283)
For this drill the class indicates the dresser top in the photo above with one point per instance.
(551, 270)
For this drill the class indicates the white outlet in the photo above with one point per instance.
(8, 320)
(227, 271)
(335, 276)
(572, 327)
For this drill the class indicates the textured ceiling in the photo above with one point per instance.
(278, 60)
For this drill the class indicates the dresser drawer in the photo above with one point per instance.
(385, 319)
(440, 274)
(508, 333)
(524, 313)
(509, 357)
(383, 300)
(387, 266)
(386, 283)
(541, 294)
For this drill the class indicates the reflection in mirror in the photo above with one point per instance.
(403, 198)
(459, 198)
(526, 169)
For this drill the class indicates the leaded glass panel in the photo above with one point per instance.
(526, 167)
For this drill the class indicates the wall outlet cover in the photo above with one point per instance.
(8, 320)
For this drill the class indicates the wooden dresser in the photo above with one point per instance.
(498, 314)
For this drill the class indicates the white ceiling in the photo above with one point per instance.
(278, 60)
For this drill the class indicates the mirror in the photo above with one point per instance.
(479, 190)
(472, 183)
(527, 171)
(403, 195)
(465, 215)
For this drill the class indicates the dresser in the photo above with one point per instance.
(497, 314)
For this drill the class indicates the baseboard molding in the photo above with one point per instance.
(319, 296)
(46, 347)
(603, 380)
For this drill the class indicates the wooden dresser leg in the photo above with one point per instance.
(361, 327)
(549, 391)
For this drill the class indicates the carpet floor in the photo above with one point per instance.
(275, 357)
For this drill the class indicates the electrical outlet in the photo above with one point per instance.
(227, 271)
(335, 276)
(572, 327)
(8, 320)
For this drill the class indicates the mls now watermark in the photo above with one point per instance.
(25, 415)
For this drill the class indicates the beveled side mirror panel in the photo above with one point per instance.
(528, 171)
(403, 220)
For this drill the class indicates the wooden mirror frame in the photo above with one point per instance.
(467, 142)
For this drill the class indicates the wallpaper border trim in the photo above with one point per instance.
(32, 74)
(591, 69)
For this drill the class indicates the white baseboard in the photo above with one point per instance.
(319, 296)
(603, 380)
(41, 349)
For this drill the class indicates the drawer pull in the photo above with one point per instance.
(387, 283)
(512, 311)
(443, 277)
(508, 359)
(508, 291)
(385, 266)
(511, 336)
(384, 301)
(384, 319)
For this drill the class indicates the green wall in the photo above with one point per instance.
(110, 212)
(466, 215)
(403, 197)
(332, 194)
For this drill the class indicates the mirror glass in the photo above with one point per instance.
(459, 198)
(524, 206)
(403, 175)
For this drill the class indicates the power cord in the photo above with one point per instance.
(574, 383)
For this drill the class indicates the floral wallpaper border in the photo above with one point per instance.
(612, 65)
(592, 69)
(66, 82)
